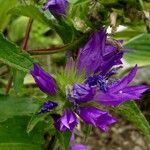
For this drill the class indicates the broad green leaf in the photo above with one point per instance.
(12, 55)
(64, 140)
(5, 5)
(16, 106)
(138, 50)
(14, 137)
(132, 113)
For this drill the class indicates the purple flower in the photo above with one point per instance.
(45, 82)
(120, 91)
(97, 56)
(81, 93)
(48, 106)
(96, 117)
(57, 7)
(77, 147)
(67, 121)
(97, 80)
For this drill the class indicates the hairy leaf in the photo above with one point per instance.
(132, 113)
(12, 55)
(16, 106)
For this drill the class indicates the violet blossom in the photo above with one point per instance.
(120, 91)
(67, 121)
(97, 56)
(45, 81)
(57, 7)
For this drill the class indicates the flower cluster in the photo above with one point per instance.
(98, 60)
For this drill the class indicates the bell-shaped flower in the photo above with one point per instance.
(96, 117)
(48, 106)
(67, 121)
(57, 7)
(45, 81)
(81, 93)
(97, 55)
(120, 91)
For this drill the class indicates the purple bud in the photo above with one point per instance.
(96, 117)
(81, 93)
(67, 121)
(48, 106)
(45, 81)
(57, 7)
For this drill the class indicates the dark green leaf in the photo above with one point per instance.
(16, 106)
(12, 55)
(132, 113)
(14, 137)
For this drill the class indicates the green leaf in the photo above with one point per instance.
(5, 5)
(132, 113)
(14, 137)
(33, 12)
(36, 119)
(64, 29)
(64, 139)
(16, 106)
(12, 55)
(18, 79)
(139, 50)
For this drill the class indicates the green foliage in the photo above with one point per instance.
(17, 29)
(131, 112)
(16, 106)
(139, 50)
(5, 5)
(64, 140)
(12, 55)
(14, 137)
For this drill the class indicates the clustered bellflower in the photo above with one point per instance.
(98, 60)
(57, 7)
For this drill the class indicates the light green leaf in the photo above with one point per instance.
(16, 106)
(17, 28)
(132, 113)
(5, 5)
(139, 50)
(12, 55)
(14, 137)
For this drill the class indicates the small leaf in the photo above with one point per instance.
(16, 106)
(12, 55)
(132, 113)
(64, 140)
(36, 119)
